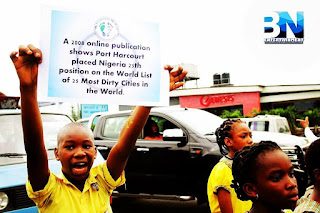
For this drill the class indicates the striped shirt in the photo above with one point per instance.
(305, 204)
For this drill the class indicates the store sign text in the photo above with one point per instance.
(219, 99)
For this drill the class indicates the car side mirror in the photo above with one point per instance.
(175, 135)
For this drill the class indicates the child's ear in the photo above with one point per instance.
(56, 154)
(316, 174)
(96, 150)
(228, 141)
(250, 189)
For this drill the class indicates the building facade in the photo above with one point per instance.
(247, 98)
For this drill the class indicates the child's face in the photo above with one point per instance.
(275, 181)
(76, 151)
(241, 136)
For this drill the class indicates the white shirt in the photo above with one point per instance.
(309, 134)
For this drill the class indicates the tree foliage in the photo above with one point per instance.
(233, 114)
(74, 114)
(314, 116)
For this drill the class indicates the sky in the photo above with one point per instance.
(216, 36)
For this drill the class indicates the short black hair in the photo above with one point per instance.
(312, 158)
(223, 132)
(245, 164)
(68, 126)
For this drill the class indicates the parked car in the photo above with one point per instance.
(92, 120)
(84, 121)
(178, 165)
(268, 123)
(13, 166)
(283, 140)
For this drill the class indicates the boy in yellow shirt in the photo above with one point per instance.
(80, 188)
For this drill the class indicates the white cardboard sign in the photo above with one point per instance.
(94, 58)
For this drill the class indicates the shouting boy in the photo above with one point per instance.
(80, 188)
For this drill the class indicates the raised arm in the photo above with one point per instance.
(120, 153)
(304, 123)
(26, 63)
(307, 131)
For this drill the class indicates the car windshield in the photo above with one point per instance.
(11, 137)
(200, 121)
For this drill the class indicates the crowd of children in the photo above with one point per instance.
(262, 174)
(256, 178)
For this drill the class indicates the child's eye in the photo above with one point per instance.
(291, 174)
(69, 147)
(87, 146)
(276, 178)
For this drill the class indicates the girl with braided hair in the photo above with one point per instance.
(264, 174)
(232, 135)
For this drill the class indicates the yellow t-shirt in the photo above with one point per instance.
(59, 195)
(221, 177)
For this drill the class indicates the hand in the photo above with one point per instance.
(304, 123)
(175, 76)
(26, 64)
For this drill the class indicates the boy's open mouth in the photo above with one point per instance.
(80, 165)
(80, 168)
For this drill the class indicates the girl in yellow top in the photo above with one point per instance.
(264, 174)
(232, 136)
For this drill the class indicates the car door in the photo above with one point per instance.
(158, 166)
(107, 132)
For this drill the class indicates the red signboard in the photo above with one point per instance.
(207, 100)
(249, 101)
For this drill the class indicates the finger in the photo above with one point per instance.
(13, 56)
(178, 85)
(36, 52)
(23, 50)
(174, 86)
(177, 72)
(168, 67)
(180, 77)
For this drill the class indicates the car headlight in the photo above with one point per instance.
(4, 200)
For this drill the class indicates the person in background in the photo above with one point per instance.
(232, 136)
(80, 188)
(152, 131)
(264, 174)
(307, 131)
(310, 201)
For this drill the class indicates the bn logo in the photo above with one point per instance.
(279, 28)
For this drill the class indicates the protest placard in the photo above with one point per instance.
(96, 58)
